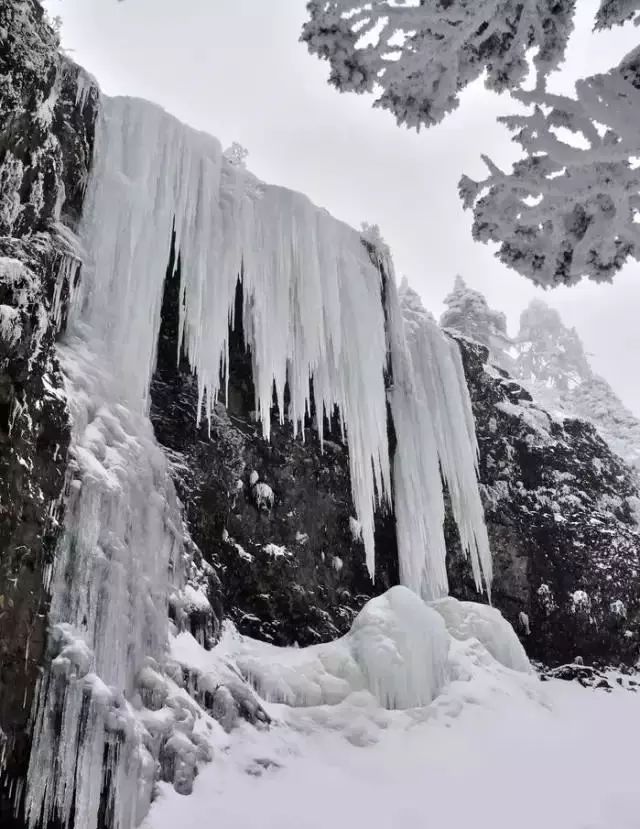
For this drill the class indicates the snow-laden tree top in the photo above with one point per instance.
(571, 207)
(417, 57)
(617, 12)
(468, 311)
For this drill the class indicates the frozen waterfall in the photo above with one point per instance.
(436, 437)
(312, 312)
(315, 321)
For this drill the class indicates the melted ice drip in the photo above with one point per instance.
(436, 436)
(312, 311)
(108, 615)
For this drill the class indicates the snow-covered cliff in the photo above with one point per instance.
(221, 424)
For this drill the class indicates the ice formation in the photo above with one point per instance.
(436, 435)
(312, 318)
(401, 646)
(397, 651)
(469, 620)
(109, 587)
(312, 311)
(315, 322)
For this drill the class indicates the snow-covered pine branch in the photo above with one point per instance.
(616, 12)
(570, 208)
(418, 58)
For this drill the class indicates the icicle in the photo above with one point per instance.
(435, 436)
(311, 295)
(86, 85)
(66, 287)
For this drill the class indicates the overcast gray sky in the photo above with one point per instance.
(236, 69)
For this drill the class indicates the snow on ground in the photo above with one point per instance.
(496, 748)
(517, 764)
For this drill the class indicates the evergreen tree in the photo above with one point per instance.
(468, 312)
(564, 211)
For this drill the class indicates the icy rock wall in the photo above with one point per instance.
(46, 135)
(315, 323)
(110, 584)
(559, 508)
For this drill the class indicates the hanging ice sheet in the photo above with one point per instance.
(436, 440)
(312, 309)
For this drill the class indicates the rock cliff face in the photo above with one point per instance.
(46, 134)
(275, 520)
(560, 513)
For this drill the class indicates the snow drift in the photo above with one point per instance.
(398, 651)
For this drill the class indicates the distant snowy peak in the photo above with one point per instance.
(549, 353)
(550, 361)
(554, 366)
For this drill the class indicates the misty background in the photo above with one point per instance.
(236, 69)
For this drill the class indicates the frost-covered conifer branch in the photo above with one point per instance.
(418, 58)
(571, 207)
(616, 12)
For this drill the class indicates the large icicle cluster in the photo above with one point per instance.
(316, 323)
(436, 435)
(312, 312)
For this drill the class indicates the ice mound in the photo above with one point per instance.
(397, 650)
(401, 646)
(470, 620)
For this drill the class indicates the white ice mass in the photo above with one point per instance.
(321, 316)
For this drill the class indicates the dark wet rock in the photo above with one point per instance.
(590, 676)
(560, 514)
(46, 136)
(273, 518)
